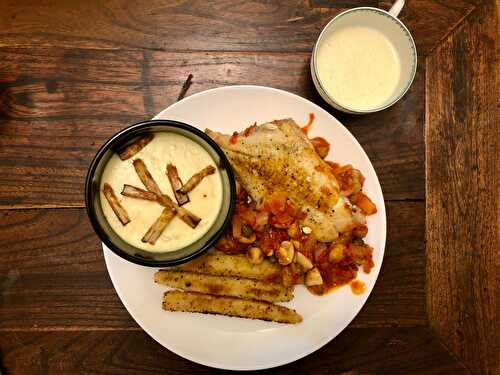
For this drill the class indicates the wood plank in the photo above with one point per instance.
(429, 21)
(81, 97)
(355, 351)
(260, 25)
(52, 273)
(463, 195)
(198, 25)
(399, 295)
(53, 276)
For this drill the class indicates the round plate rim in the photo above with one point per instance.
(278, 362)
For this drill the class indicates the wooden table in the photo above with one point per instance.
(73, 73)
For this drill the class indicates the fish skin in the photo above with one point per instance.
(278, 156)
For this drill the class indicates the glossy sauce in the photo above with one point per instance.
(358, 287)
(358, 67)
(205, 199)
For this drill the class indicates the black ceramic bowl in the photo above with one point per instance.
(132, 253)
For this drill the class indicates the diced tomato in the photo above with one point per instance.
(340, 274)
(246, 214)
(343, 169)
(230, 245)
(249, 130)
(234, 138)
(271, 239)
(321, 253)
(276, 203)
(293, 211)
(361, 254)
(368, 265)
(350, 179)
(362, 201)
(282, 220)
(360, 231)
(321, 146)
(333, 165)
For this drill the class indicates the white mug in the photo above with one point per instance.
(393, 29)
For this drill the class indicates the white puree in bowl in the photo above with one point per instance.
(205, 199)
(358, 67)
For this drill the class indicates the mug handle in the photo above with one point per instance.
(396, 8)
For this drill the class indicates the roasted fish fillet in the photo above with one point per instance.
(278, 156)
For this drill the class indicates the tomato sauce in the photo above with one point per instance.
(307, 127)
(358, 287)
(278, 220)
(234, 138)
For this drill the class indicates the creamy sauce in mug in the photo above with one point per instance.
(358, 67)
(205, 199)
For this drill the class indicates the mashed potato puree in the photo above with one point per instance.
(205, 200)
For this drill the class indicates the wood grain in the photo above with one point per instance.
(399, 294)
(430, 21)
(408, 351)
(72, 74)
(52, 273)
(58, 105)
(204, 25)
(462, 201)
(180, 25)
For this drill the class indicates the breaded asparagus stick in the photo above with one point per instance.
(233, 265)
(224, 286)
(230, 306)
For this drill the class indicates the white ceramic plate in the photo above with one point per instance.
(241, 344)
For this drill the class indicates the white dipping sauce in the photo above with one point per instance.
(358, 67)
(205, 199)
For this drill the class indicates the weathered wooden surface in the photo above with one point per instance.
(462, 192)
(408, 351)
(74, 73)
(201, 25)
